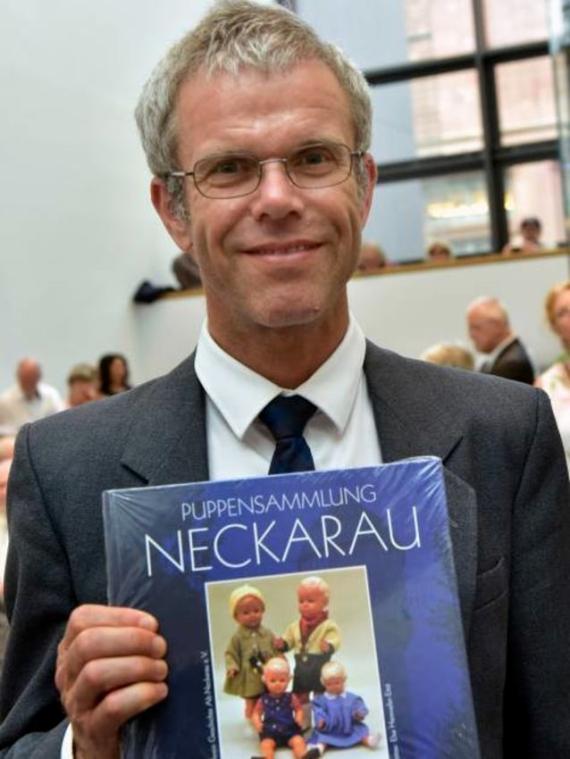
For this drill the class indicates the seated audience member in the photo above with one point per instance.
(83, 384)
(371, 258)
(28, 399)
(555, 381)
(186, 271)
(449, 354)
(113, 374)
(528, 239)
(7, 443)
(490, 331)
(439, 252)
(5, 466)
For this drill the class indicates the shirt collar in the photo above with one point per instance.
(332, 388)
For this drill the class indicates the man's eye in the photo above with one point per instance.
(315, 157)
(232, 166)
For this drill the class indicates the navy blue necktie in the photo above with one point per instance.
(286, 417)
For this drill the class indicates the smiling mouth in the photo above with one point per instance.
(282, 249)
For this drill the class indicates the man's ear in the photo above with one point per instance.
(371, 176)
(178, 229)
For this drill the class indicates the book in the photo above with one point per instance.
(378, 538)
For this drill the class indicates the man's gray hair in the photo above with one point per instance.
(491, 308)
(236, 34)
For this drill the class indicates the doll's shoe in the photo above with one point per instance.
(312, 753)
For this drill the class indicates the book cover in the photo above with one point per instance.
(376, 539)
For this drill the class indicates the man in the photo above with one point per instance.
(5, 466)
(27, 400)
(186, 271)
(491, 333)
(256, 133)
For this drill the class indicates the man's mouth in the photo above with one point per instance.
(282, 249)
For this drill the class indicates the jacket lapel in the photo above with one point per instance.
(167, 440)
(411, 420)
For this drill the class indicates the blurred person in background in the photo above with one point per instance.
(439, 252)
(5, 466)
(7, 443)
(449, 354)
(186, 271)
(371, 258)
(528, 239)
(491, 333)
(555, 381)
(113, 374)
(28, 399)
(83, 385)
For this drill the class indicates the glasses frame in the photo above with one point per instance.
(353, 154)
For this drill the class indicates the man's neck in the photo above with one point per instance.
(287, 356)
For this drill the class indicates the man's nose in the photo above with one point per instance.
(276, 196)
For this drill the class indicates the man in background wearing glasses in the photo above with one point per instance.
(257, 134)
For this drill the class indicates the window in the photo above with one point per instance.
(450, 208)
(466, 133)
(525, 94)
(511, 22)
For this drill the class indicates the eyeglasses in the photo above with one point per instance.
(232, 175)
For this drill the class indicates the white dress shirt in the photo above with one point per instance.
(341, 433)
(16, 409)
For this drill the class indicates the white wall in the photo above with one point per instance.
(77, 232)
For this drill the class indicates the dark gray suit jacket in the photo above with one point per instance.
(509, 507)
(513, 362)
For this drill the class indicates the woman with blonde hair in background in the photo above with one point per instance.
(555, 381)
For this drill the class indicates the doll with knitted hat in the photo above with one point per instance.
(249, 648)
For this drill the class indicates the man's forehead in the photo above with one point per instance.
(220, 110)
(202, 86)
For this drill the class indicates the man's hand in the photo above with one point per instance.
(110, 667)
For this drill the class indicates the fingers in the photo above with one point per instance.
(96, 733)
(91, 615)
(109, 668)
(105, 675)
(115, 709)
(103, 642)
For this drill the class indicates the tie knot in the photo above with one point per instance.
(286, 416)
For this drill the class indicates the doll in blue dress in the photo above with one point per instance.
(338, 715)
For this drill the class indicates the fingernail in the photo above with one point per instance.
(158, 646)
(148, 622)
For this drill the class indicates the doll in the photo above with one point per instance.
(338, 715)
(313, 637)
(249, 648)
(278, 713)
